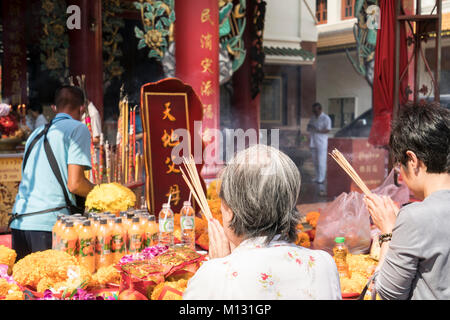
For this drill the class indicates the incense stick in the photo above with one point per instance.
(346, 166)
(170, 196)
(192, 180)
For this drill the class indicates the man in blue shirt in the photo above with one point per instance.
(39, 189)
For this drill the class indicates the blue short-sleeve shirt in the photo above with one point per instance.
(39, 190)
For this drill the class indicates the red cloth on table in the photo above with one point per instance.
(384, 74)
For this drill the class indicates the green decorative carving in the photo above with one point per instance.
(158, 18)
(112, 23)
(365, 32)
(54, 42)
(232, 23)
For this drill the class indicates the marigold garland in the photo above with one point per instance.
(112, 197)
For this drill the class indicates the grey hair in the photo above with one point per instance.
(261, 186)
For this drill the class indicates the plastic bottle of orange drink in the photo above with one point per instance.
(126, 224)
(95, 226)
(76, 223)
(86, 241)
(104, 254)
(69, 239)
(64, 219)
(118, 244)
(111, 221)
(135, 236)
(56, 232)
(151, 231)
(143, 220)
(340, 252)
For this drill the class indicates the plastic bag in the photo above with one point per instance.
(347, 216)
(143, 276)
(400, 195)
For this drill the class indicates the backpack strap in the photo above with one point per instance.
(54, 166)
(35, 140)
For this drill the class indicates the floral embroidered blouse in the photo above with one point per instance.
(255, 271)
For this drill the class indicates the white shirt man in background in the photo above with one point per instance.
(96, 122)
(319, 126)
(35, 118)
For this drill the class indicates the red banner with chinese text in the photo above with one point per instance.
(197, 56)
(166, 106)
(14, 61)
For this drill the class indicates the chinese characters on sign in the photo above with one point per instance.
(197, 55)
(168, 106)
(174, 190)
(368, 161)
(207, 91)
(14, 55)
(170, 141)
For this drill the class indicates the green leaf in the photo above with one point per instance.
(83, 284)
(154, 54)
(158, 4)
(170, 3)
(159, 25)
(148, 15)
(172, 16)
(73, 293)
(139, 33)
(160, 12)
(64, 294)
(138, 5)
(148, 7)
(165, 21)
(141, 44)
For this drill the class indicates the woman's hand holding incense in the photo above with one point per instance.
(383, 211)
(219, 245)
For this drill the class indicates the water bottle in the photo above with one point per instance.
(166, 226)
(340, 252)
(187, 223)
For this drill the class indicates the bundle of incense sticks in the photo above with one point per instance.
(123, 140)
(344, 164)
(117, 157)
(101, 159)
(192, 179)
(108, 161)
(93, 154)
(130, 152)
(137, 168)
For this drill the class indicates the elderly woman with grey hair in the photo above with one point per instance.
(253, 256)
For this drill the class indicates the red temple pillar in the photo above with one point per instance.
(245, 110)
(14, 62)
(197, 64)
(85, 53)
